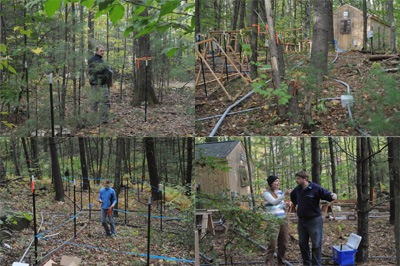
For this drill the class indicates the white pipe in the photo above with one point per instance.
(23, 256)
(229, 108)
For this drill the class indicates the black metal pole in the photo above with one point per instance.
(148, 233)
(204, 77)
(27, 88)
(81, 192)
(137, 182)
(126, 198)
(51, 105)
(34, 219)
(160, 188)
(226, 59)
(59, 97)
(145, 98)
(74, 209)
(79, 95)
(90, 204)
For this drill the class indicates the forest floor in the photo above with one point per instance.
(174, 116)
(336, 232)
(131, 237)
(329, 117)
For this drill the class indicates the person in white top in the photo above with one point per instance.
(273, 200)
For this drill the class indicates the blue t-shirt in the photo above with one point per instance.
(307, 200)
(107, 195)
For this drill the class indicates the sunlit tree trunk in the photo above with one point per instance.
(142, 49)
(333, 165)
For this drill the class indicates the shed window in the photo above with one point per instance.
(244, 181)
(345, 26)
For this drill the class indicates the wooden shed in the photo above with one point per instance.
(348, 28)
(214, 181)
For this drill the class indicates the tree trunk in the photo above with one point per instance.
(118, 169)
(364, 25)
(253, 20)
(142, 49)
(55, 171)
(392, 27)
(236, 7)
(2, 169)
(371, 170)
(15, 156)
(362, 198)
(152, 167)
(333, 165)
(315, 170)
(247, 148)
(273, 49)
(319, 51)
(394, 172)
(189, 167)
(303, 154)
(395, 175)
(307, 10)
(27, 160)
(197, 15)
(91, 32)
(242, 13)
(331, 38)
(85, 174)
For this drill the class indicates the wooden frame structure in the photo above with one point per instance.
(212, 48)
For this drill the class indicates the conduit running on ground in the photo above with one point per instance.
(229, 108)
(222, 117)
(30, 244)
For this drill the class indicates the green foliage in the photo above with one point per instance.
(383, 114)
(242, 224)
(260, 83)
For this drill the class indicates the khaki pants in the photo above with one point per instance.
(282, 240)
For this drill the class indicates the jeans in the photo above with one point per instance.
(104, 216)
(101, 94)
(310, 228)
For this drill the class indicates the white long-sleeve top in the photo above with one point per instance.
(273, 205)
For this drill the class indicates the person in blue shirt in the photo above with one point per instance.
(306, 197)
(108, 199)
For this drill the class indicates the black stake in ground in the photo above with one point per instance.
(148, 233)
(82, 192)
(226, 59)
(240, 58)
(59, 97)
(145, 98)
(160, 189)
(27, 88)
(126, 197)
(51, 105)
(74, 210)
(34, 219)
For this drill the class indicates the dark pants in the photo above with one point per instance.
(100, 99)
(310, 228)
(104, 216)
(282, 240)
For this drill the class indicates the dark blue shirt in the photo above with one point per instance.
(108, 197)
(307, 200)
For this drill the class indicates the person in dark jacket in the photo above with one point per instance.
(99, 75)
(306, 197)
